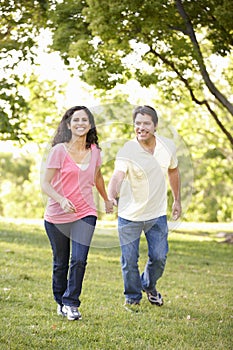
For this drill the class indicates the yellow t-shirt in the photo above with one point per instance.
(143, 193)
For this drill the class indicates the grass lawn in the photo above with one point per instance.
(197, 289)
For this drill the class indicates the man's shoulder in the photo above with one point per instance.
(165, 141)
(129, 150)
(129, 145)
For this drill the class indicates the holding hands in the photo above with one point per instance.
(108, 206)
(69, 207)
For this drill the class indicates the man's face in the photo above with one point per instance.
(144, 127)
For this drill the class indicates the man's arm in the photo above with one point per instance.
(174, 180)
(115, 185)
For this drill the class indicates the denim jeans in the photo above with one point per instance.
(156, 232)
(68, 272)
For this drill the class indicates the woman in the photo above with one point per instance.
(72, 169)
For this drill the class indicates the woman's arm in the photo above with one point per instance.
(48, 189)
(100, 185)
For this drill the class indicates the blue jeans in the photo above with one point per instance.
(156, 232)
(68, 272)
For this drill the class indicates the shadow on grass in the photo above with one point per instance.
(33, 235)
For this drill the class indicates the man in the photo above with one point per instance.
(139, 180)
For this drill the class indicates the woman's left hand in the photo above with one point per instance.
(108, 206)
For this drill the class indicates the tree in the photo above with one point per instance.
(211, 162)
(20, 188)
(21, 21)
(172, 44)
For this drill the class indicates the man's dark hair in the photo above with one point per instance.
(146, 110)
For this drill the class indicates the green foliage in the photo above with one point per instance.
(195, 315)
(211, 163)
(20, 187)
(113, 42)
(24, 118)
(156, 42)
(13, 110)
(213, 188)
(15, 169)
(44, 116)
(21, 21)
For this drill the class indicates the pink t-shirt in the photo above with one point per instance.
(73, 183)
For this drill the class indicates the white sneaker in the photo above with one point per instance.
(59, 310)
(71, 312)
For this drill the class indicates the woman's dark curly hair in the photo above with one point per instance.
(63, 133)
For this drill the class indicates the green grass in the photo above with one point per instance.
(196, 286)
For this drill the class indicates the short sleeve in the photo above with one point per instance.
(99, 158)
(123, 156)
(121, 165)
(55, 157)
(174, 160)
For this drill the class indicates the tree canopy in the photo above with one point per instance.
(172, 44)
(20, 23)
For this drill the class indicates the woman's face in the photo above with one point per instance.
(79, 123)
